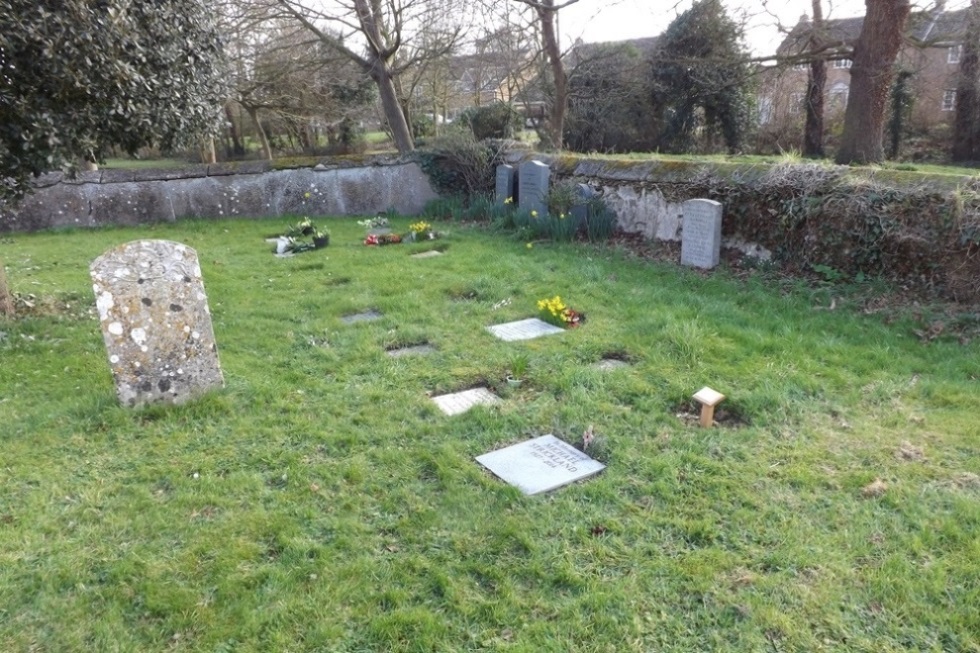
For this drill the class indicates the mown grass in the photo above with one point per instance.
(320, 502)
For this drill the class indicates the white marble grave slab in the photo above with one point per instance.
(460, 402)
(524, 329)
(540, 465)
(431, 253)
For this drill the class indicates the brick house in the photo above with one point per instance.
(930, 56)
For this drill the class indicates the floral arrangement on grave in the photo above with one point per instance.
(321, 238)
(290, 242)
(377, 222)
(304, 227)
(420, 230)
(555, 311)
(382, 239)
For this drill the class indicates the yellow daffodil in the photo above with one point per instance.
(534, 214)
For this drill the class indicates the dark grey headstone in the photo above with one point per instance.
(155, 322)
(580, 210)
(506, 183)
(701, 234)
(533, 184)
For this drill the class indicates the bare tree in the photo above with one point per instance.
(385, 27)
(817, 80)
(871, 74)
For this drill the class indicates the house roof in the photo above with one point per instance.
(937, 26)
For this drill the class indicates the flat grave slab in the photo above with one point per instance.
(609, 364)
(366, 316)
(540, 465)
(460, 402)
(523, 329)
(430, 254)
(414, 350)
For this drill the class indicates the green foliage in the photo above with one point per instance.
(701, 80)
(444, 208)
(422, 126)
(458, 164)
(81, 77)
(351, 137)
(610, 105)
(497, 120)
(600, 220)
(902, 100)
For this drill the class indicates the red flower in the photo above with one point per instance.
(371, 240)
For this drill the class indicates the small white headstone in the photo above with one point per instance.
(524, 329)
(155, 322)
(701, 234)
(540, 465)
(460, 402)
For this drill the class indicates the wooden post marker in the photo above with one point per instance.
(708, 399)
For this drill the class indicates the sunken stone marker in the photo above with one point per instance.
(701, 234)
(156, 322)
(533, 187)
(506, 182)
(540, 465)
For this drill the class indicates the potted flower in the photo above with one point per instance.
(518, 368)
(376, 226)
(321, 238)
(420, 230)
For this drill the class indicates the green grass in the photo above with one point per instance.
(321, 503)
(141, 164)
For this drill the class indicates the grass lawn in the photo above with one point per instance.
(320, 502)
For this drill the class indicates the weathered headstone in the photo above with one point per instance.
(533, 184)
(580, 210)
(523, 329)
(540, 465)
(701, 234)
(506, 184)
(156, 322)
(460, 402)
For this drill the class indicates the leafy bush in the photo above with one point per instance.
(351, 137)
(457, 164)
(497, 120)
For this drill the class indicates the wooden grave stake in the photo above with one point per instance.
(708, 399)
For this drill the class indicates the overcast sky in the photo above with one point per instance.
(614, 20)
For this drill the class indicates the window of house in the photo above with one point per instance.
(796, 102)
(949, 99)
(954, 53)
(838, 96)
(842, 63)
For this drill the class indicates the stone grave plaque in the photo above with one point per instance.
(609, 364)
(155, 322)
(430, 254)
(523, 329)
(460, 402)
(701, 234)
(533, 187)
(414, 350)
(366, 316)
(506, 183)
(540, 465)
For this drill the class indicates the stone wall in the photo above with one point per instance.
(251, 189)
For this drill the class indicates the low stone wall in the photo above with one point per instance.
(251, 189)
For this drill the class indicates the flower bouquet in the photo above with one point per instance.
(382, 239)
(555, 311)
(420, 230)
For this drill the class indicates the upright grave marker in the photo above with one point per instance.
(156, 322)
(533, 187)
(506, 184)
(701, 234)
(580, 210)
(540, 465)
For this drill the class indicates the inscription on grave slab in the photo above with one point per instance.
(366, 316)
(533, 187)
(155, 322)
(506, 183)
(701, 234)
(539, 465)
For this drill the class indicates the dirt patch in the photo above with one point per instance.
(874, 489)
(910, 453)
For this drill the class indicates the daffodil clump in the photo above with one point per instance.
(555, 311)
(420, 227)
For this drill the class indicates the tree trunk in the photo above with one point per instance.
(6, 299)
(549, 35)
(253, 113)
(966, 140)
(237, 149)
(817, 81)
(208, 155)
(380, 72)
(871, 79)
